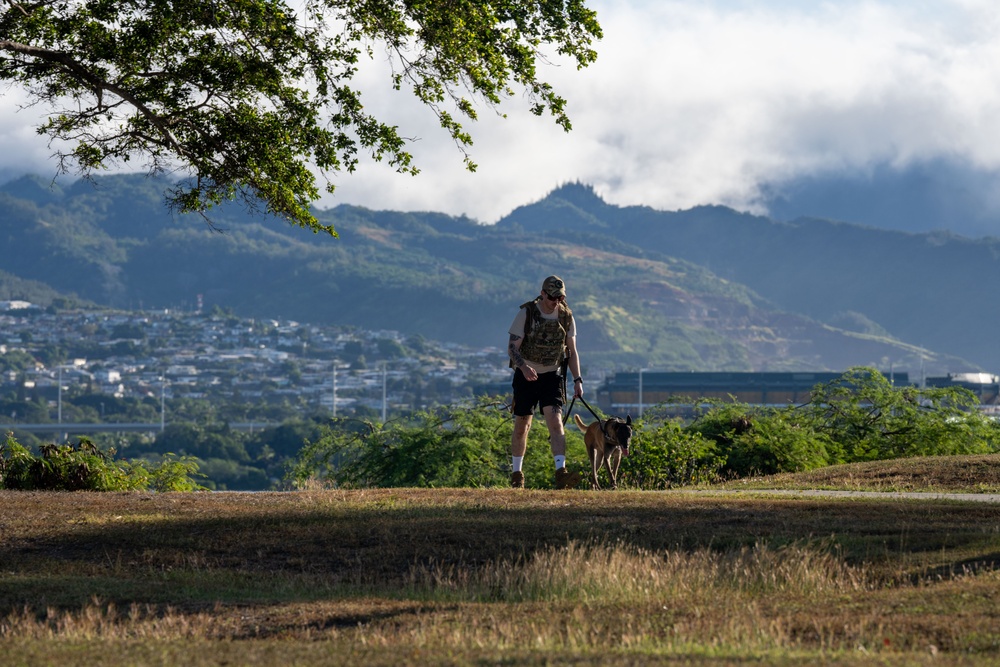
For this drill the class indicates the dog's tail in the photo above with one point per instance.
(579, 423)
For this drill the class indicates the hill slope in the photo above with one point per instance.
(934, 290)
(642, 294)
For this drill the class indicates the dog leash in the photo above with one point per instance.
(569, 411)
(584, 401)
(602, 422)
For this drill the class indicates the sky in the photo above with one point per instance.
(696, 102)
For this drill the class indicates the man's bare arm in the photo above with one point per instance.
(514, 351)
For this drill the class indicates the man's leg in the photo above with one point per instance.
(519, 439)
(557, 436)
(518, 446)
(557, 441)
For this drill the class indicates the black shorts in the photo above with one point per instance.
(545, 391)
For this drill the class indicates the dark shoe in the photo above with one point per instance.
(566, 479)
(517, 480)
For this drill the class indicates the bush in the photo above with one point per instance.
(176, 474)
(230, 475)
(873, 420)
(667, 457)
(84, 467)
(464, 447)
(757, 440)
(778, 440)
(858, 417)
(458, 446)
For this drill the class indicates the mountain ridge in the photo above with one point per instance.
(923, 287)
(643, 295)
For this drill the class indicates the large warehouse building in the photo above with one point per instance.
(633, 392)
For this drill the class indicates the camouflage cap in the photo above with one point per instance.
(554, 286)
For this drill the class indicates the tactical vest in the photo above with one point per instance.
(545, 340)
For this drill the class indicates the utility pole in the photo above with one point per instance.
(62, 436)
(334, 389)
(163, 419)
(383, 392)
(640, 392)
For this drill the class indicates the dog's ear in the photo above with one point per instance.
(628, 420)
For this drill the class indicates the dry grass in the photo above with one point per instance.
(957, 474)
(623, 574)
(461, 576)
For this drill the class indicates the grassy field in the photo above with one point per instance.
(942, 474)
(497, 576)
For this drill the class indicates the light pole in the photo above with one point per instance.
(641, 402)
(640, 392)
(163, 402)
(336, 363)
(59, 394)
(384, 406)
(64, 436)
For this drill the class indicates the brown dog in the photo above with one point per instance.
(606, 442)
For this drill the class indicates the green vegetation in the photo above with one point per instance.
(250, 96)
(84, 467)
(859, 416)
(667, 456)
(454, 447)
(466, 445)
(452, 279)
(873, 420)
(199, 431)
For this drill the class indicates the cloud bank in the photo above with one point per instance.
(700, 103)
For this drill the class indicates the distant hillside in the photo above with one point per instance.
(13, 288)
(936, 290)
(670, 291)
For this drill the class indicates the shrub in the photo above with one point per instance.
(85, 467)
(458, 446)
(230, 475)
(763, 440)
(779, 440)
(669, 456)
(860, 416)
(463, 447)
(176, 474)
(15, 464)
(873, 420)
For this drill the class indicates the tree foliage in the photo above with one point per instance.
(762, 440)
(466, 445)
(872, 419)
(668, 455)
(858, 417)
(245, 95)
(460, 447)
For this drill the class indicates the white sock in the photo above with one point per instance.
(516, 462)
(560, 461)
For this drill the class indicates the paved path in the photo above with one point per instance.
(992, 498)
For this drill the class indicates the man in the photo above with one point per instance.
(543, 343)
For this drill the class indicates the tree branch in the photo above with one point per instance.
(98, 83)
